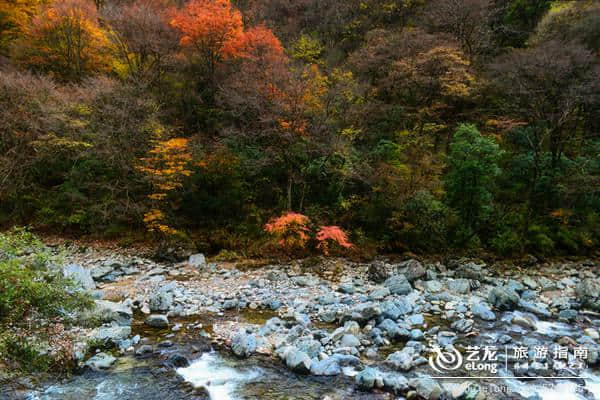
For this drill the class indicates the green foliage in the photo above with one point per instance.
(35, 300)
(473, 168)
(308, 49)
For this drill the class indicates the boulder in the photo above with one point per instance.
(378, 272)
(503, 298)
(243, 344)
(111, 334)
(349, 340)
(197, 260)
(81, 276)
(470, 271)
(398, 284)
(483, 311)
(108, 312)
(395, 383)
(402, 360)
(161, 300)
(364, 312)
(333, 365)
(177, 361)
(460, 286)
(426, 387)
(157, 321)
(298, 360)
(588, 293)
(369, 378)
(412, 270)
(100, 361)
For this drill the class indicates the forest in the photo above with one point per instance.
(373, 126)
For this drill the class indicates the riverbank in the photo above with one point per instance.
(369, 327)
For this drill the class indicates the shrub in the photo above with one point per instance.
(291, 230)
(293, 233)
(35, 303)
(329, 235)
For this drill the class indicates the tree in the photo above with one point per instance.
(553, 87)
(67, 40)
(212, 28)
(166, 165)
(143, 40)
(465, 20)
(15, 17)
(473, 167)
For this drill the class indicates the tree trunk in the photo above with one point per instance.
(289, 192)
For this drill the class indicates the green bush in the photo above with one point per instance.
(36, 302)
(539, 240)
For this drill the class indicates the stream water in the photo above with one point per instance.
(212, 376)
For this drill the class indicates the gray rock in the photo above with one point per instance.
(588, 293)
(302, 319)
(305, 281)
(535, 308)
(100, 361)
(311, 347)
(177, 361)
(523, 321)
(369, 378)
(530, 282)
(503, 298)
(460, 286)
(243, 344)
(80, 276)
(333, 365)
(365, 311)
(433, 286)
(157, 321)
(426, 387)
(378, 272)
(402, 360)
(197, 260)
(413, 270)
(112, 334)
(398, 284)
(462, 325)
(161, 300)
(379, 293)
(470, 271)
(298, 361)
(347, 288)
(349, 340)
(101, 271)
(568, 315)
(415, 319)
(395, 383)
(108, 312)
(144, 349)
(483, 311)
(445, 338)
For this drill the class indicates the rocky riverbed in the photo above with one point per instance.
(332, 329)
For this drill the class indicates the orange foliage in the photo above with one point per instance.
(334, 234)
(214, 28)
(166, 166)
(291, 229)
(259, 42)
(67, 39)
